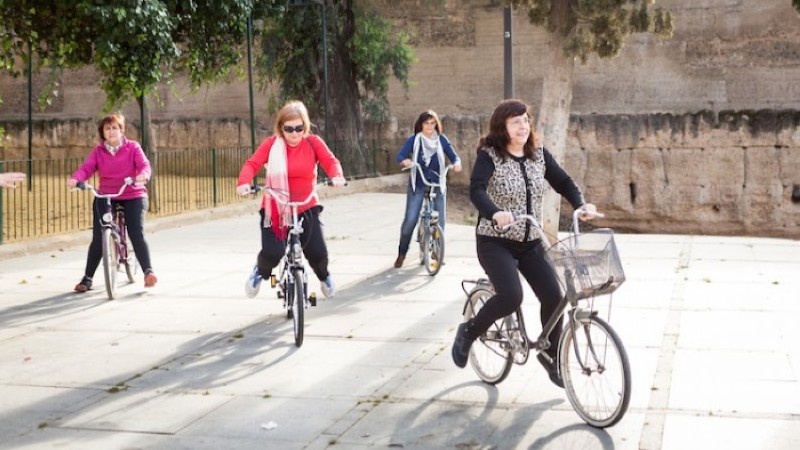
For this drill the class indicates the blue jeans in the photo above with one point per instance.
(413, 208)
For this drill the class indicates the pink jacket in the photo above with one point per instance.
(129, 161)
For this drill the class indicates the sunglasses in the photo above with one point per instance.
(297, 129)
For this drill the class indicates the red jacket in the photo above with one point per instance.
(301, 167)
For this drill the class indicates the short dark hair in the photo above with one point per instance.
(429, 114)
(117, 118)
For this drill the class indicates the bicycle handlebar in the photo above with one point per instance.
(255, 188)
(425, 180)
(82, 185)
(535, 223)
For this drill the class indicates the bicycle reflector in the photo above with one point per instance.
(107, 217)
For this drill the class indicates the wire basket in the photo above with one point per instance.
(588, 263)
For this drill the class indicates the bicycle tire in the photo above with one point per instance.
(421, 239)
(490, 355)
(110, 262)
(435, 250)
(595, 370)
(127, 258)
(298, 307)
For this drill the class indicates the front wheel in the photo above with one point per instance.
(490, 355)
(434, 250)
(596, 371)
(110, 262)
(298, 306)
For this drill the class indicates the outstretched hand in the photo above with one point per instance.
(10, 179)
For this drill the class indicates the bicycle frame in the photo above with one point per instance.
(428, 225)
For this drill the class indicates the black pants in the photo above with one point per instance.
(135, 211)
(501, 259)
(312, 240)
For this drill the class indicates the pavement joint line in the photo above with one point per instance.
(652, 435)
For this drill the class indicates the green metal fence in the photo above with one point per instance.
(183, 181)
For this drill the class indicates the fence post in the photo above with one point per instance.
(214, 174)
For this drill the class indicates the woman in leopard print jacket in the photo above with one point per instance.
(509, 177)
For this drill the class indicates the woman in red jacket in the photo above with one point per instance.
(290, 157)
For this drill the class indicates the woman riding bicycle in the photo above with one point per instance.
(290, 156)
(427, 147)
(114, 159)
(508, 178)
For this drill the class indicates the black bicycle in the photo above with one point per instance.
(429, 233)
(118, 254)
(591, 358)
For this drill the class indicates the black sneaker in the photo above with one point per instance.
(552, 370)
(461, 345)
(84, 285)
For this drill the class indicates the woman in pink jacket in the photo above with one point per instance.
(114, 159)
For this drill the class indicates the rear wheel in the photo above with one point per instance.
(490, 355)
(596, 371)
(298, 307)
(110, 262)
(128, 259)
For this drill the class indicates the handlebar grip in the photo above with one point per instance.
(81, 185)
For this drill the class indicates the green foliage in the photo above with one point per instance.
(134, 44)
(598, 26)
(292, 53)
(796, 4)
(373, 59)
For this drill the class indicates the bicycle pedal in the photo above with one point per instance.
(280, 294)
(273, 281)
(312, 299)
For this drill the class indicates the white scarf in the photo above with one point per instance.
(429, 147)
(278, 180)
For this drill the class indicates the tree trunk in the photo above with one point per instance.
(553, 118)
(147, 141)
(345, 130)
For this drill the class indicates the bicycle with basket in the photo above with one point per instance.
(591, 357)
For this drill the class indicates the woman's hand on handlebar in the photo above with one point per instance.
(72, 183)
(588, 211)
(338, 181)
(406, 163)
(503, 219)
(244, 189)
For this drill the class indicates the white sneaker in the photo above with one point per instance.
(253, 283)
(328, 288)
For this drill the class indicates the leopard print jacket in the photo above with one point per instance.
(512, 178)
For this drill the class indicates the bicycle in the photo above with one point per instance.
(429, 233)
(117, 252)
(591, 358)
(293, 279)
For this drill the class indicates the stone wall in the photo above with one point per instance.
(697, 133)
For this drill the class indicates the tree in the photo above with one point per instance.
(577, 29)
(796, 4)
(135, 45)
(363, 51)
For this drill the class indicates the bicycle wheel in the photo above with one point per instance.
(127, 259)
(421, 240)
(490, 355)
(596, 371)
(298, 307)
(110, 262)
(434, 248)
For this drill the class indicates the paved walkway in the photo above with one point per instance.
(709, 323)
